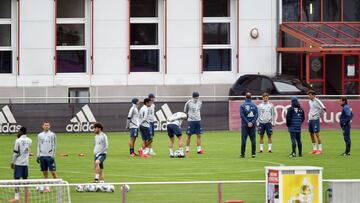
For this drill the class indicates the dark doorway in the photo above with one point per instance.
(333, 74)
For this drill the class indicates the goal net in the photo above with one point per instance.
(35, 191)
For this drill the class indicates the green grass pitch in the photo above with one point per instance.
(220, 162)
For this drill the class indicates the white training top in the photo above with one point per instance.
(152, 117)
(46, 145)
(176, 118)
(101, 144)
(193, 108)
(144, 119)
(133, 117)
(317, 108)
(21, 151)
(266, 113)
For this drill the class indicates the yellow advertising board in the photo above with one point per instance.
(301, 188)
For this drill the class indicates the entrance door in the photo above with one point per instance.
(350, 75)
(315, 72)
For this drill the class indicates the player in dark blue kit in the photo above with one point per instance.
(249, 116)
(294, 119)
(345, 123)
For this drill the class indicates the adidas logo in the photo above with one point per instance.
(161, 117)
(8, 123)
(83, 121)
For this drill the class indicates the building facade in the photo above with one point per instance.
(102, 48)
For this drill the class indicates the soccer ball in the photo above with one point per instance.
(125, 188)
(89, 188)
(80, 188)
(99, 188)
(40, 189)
(108, 188)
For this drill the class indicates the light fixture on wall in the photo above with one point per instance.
(254, 33)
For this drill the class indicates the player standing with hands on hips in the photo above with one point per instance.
(192, 109)
(20, 161)
(100, 150)
(345, 123)
(46, 148)
(249, 116)
(266, 121)
(317, 109)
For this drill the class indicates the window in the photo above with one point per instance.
(79, 95)
(144, 36)
(71, 44)
(332, 10)
(6, 46)
(284, 87)
(311, 10)
(217, 46)
(351, 10)
(290, 10)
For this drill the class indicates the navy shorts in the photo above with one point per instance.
(21, 172)
(47, 163)
(173, 129)
(314, 126)
(265, 127)
(145, 133)
(152, 128)
(134, 132)
(194, 127)
(101, 158)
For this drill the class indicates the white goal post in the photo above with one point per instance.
(35, 190)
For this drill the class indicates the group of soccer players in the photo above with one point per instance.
(263, 116)
(144, 120)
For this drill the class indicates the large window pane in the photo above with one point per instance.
(216, 8)
(311, 10)
(71, 8)
(5, 35)
(291, 64)
(144, 34)
(5, 61)
(70, 35)
(351, 10)
(144, 8)
(5, 8)
(71, 61)
(216, 33)
(217, 60)
(290, 10)
(144, 60)
(332, 10)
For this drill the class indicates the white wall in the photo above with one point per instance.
(111, 46)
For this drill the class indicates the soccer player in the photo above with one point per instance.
(145, 130)
(152, 122)
(192, 109)
(345, 123)
(20, 161)
(100, 150)
(266, 121)
(317, 109)
(174, 128)
(249, 116)
(294, 119)
(46, 148)
(133, 124)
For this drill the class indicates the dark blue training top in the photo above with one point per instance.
(248, 113)
(346, 116)
(295, 116)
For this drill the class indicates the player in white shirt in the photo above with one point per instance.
(132, 124)
(316, 110)
(100, 150)
(46, 148)
(174, 128)
(20, 161)
(145, 129)
(266, 121)
(152, 122)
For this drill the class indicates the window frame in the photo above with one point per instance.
(87, 21)
(161, 36)
(13, 22)
(233, 38)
